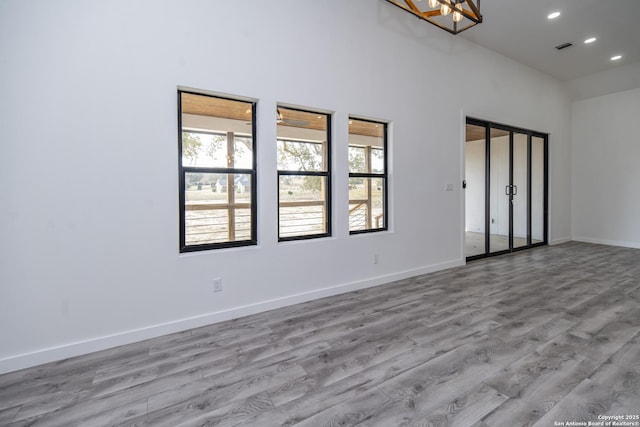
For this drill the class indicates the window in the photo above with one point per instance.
(304, 176)
(217, 172)
(367, 176)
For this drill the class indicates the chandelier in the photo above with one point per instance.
(453, 16)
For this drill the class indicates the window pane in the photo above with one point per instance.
(216, 150)
(366, 203)
(216, 132)
(302, 140)
(357, 156)
(377, 160)
(366, 146)
(303, 206)
(243, 152)
(213, 214)
(305, 125)
(301, 156)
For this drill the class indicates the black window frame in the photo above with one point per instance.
(325, 174)
(384, 176)
(183, 170)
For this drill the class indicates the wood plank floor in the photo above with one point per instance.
(544, 335)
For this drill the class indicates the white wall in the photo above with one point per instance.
(89, 194)
(606, 172)
(619, 79)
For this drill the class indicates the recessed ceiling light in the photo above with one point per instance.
(590, 40)
(615, 58)
(553, 15)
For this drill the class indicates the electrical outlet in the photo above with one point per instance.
(376, 258)
(217, 285)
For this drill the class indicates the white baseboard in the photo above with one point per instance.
(634, 245)
(52, 354)
(560, 240)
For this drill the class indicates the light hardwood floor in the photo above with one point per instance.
(549, 334)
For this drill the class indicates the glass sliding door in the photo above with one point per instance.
(499, 179)
(475, 168)
(519, 190)
(507, 211)
(538, 209)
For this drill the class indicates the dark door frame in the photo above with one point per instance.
(488, 125)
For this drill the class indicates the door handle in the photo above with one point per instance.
(510, 190)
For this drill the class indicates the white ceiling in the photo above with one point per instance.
(519, 29)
